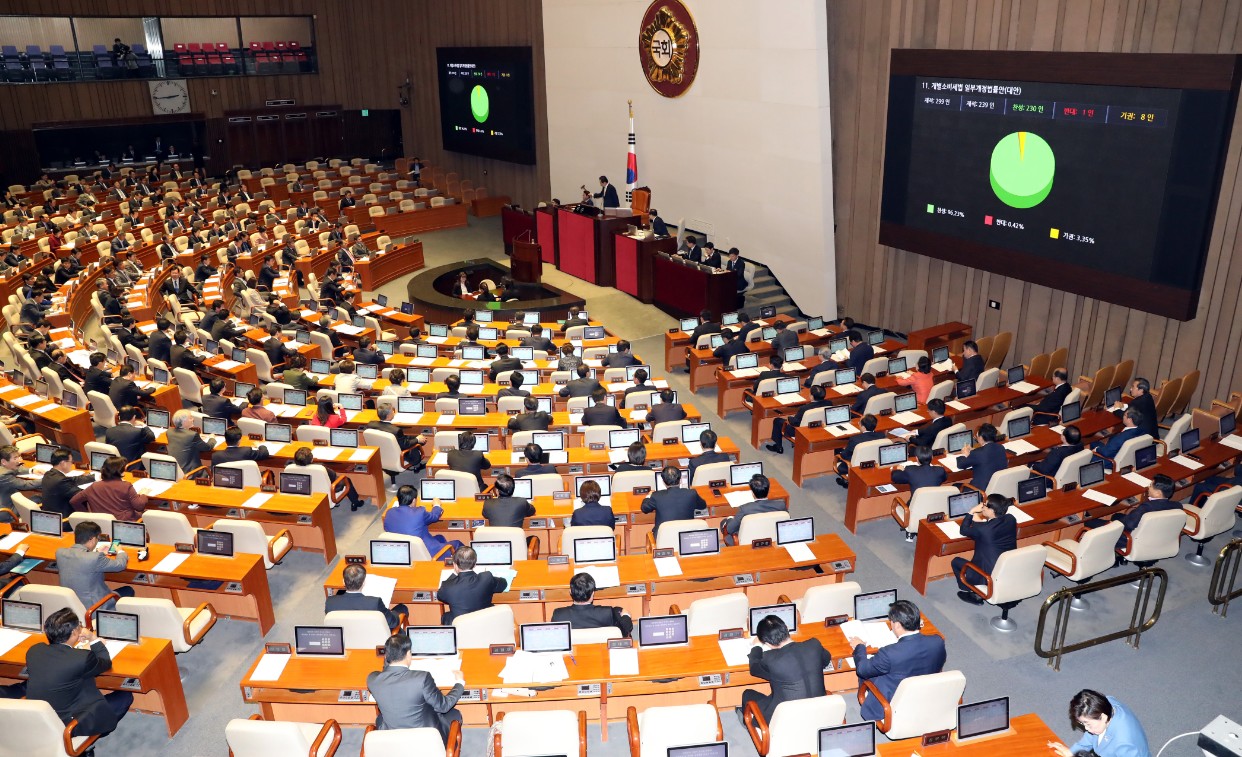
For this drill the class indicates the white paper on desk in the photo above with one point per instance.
(170, 562)
(1186, 462)
(1233, 441)
(1097, 496)
(793, 367)
(443, 670)
(900, 433)
(1020, 515)
(840, 355)
(619, 455)
(821, 332)
(10, 638)
(227, 365)
(6, 391)
(799, 551)
(843, 429)
(411, 419)
(638, 415)
(1056, 429)
(736, 651)
(1024, 386)
(114, 647)
(1138, 479)
(956, 405)
(380, 587)
(68, 342)
(739, 498)
(745, 372)
(350, 329)
(152, 487)
(270, 667)
(257, 500)
(29, 399)
(439, 458)
(508, 574)
(575, 419)
(445, 573)
(606, 576)
(659, 383)
(287, 411)
(950, 528)
(950, 462)
(325, 453)
(437, 339)
(847, 388)
(873, 633)
(360, 455)
(667, 566)
(532, 667)
(789, 398)
(906, 417)
(943, 365)
(1020, 447)
(886, 488)
(623, 662)
(12, 540)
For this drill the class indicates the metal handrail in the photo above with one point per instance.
(1139, 620)
(1225, 578)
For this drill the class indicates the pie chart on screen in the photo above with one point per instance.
(479, 105)
(1022, 169)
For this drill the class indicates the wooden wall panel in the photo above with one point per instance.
(902, 290)
(366, 51)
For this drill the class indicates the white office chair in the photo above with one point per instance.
(711, 472)
(1068, 470)
(392, 459)
(528, 734)
(1214, 518)
(482, 628)
(24, 505)
(928, 500)
(942, 438)
(467, 485)
(1081, 560)
(709, 615)
(515, 536)
(544, 484)
(989, 379)
(309, 433)
(249, 538)
(56, 598)
(253, 426)
(103, 520)
(189, 384)
(259, 738)
(940, 391)
(1125, 455)
(161, 619)
(572, 533)
(168, 528)
(659, 728)
(102, 411)
(667, 430)
(252, 478)
(670, 531)
(1017, 575)
(760, 526)
(921, 704)
(32, 728)
(826, 601)
(795, 725)
(880, 403)
(364, 629)
(400, 742)
(627, 481)
(579, 636)
(1005, 482)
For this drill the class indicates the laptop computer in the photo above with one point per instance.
(874, 605)
(432, 641)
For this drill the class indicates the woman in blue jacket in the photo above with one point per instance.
(1109, 728)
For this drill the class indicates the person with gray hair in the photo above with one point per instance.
(352, 598)
(184, 442)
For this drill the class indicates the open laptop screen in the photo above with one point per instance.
(874, 605)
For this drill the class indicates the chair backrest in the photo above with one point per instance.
(1059, 359)
(1125, 456)
(1005, 482)
(1018, 574)
(669, 530)
(795, 725)
(927, 501)
(515, 536)
(1168, 397)
(389, 448)
(399, 742)
(868, 452)
(248, 536)
(942, 439)
(103, 520)
(102, 410)
(662, 727)
(251, 477)
(1122, 373)
(159, 618)
(364, 629)
(626, 481)
(711, 472)
(1095, 550)
(989, 379)
(598, 434)
(1173, 436)
(24, 505)
(168, 528)
(939, 391)
(594, 635)
(467, 484)
(1000, 350)
(876, 365)
(260, 738)
(826, 600)
(189, 384)
(1068, 470)
(880, 403)
(924, 704)
(1157, 536)
(309, 433)
(31, 727)
(52, 599)
(1102, 382)
(1013, 415)
(418, 548)
(548, 732)
(1190, 384)
(1217, 514)
(760, 526)
(482, 628)
(708, 616)
(667, 430)
(544, 484)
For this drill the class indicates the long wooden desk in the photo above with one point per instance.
(593, 459)
(683, 290)
(398, 225)
(71, 428)
(382, 267)
(677, 342)
(1028, 737)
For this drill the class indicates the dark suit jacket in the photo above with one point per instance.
(500, 366)
(507, 511)
(857, 439)
(410, 699)
(275, 350)
(218, 406)
(1130, 520)
(797, 418)
(1150, 424)
(859, 356)
(361, 602)
(129, 440)
(469, 461)
(186, 445)
(1112, 445)
(971, 368)
(125, 392)
(64, 677)
(534, 470)
(992, 538)
(593, 616)
(708, 327)
(594, 514)
(796, 671)
(404, 440)
(918, 476)
(984, 461)
(926, 436)
(914, 654)
(729, 349)
(368, 356)
(1052, 461)
(635, 389)
(1052, 401)
(97, 380)
(860, 399)
(707, 457)
(58, 489)
(536, 421)
(468, 591)
(238, 454)
(609, 194)
(579, 387)
(184, 358)
(673, 504)
(783, 341)
(662, 412)
(620, 360)
(161, 346)
(764, 375)
(733, 524)
(602, 415)
(827, 365)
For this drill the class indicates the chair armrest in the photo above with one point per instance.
(964, 486)
(1163, 445)
(973, 587)
(674, 609)
(185, 629)
(783, 599)
(1129, 545)
(651, 542)
(11, 585)
(1223, 405)
(447, 548)
(365, 731)
(582, 735)
(133, 464)
(90, 611)
(268, 477)
(338, 482)
(532, 548)
(202, 469)
(452, 745)
(1050, 415)
(1198, 521)
(903, 522)
(757, 727)
(272, 556)
(631, 727)
(1072, 557)
(403, 620)
(329, 727)
(887, 721)
(68, 740)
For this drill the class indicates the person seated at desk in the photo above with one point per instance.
(780, 425)
(278, 310)
(233, 452)
(920, 380)
(926, 436)
(352, 598)
(35, 308)
(984, 460)
(1107, 449)
(994, 532)
(124, 391)
(926, 473)
(773, 371)
(732, 346)
(184, 442)
(63, 675)
(532, 418)
(466, 591)
(593, 512)
(568, 361)
(130, 435)
(267, 274)
(305, 458)
(84, 565)
(507, 510)
(707, 440)
(869, 390)
(535, 465)
(328, 414)
(583, 386)
(666, 409)
(793, 668)
(128, 333)
(972, 362)
(408, 698)
(452, 386)
(366, 354)
(691, 251)
(600, 413)
(914, 654)
(1048, 409)
(465, 459)
(98, 378)
(36, 345)
(707, 325)
(636, 459)
(462, 287)
(622, 357)
(10, 469)
(1141, 400)
(584, 613)
(275, 349)
(161, 341)
(1159, 498)
(182, 356)
(759, 487)
(514, 389)
(673, 502)
(640, 385)
(502, 363)
(860, 352)
(658, 227)
(411, 446)
(845, 454)
(1109, 728)
(111, 494)
(59, 488)
(1071, 443)
(537, 341)
(205, 269)
(784, 338)
(255, 407)
(347, 380)
(223, 328)
(295, 375)
(711, 256)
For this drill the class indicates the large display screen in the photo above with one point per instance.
(487, 102)
(1069, 171)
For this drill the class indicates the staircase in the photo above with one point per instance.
(767, 291)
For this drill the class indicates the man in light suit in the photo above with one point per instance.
(608, 193)
(994, 532)
(184, 442)
(466, 591)
(759, 486)
(82, 567)
(795, 669)
(354, 576)
(64, 676)
(409, 698)
(914, 654)
(584, 613)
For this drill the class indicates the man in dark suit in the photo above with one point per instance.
(581, 386)
(860, 352)
(984, 460)
(125, 392)
(994, 532)
(275, 349)
(795, 669)
(130, 435)
(233, 452)
(773, 371)
(608, 193)
(502, 363)
(779, 425)
(205, 269)
(706, 326)
(64, 676)
(869, 434)
(1071, 443)
(732, 346)
(707, 440)
(507, 510)
(1140, 393)
(737, 267)
(691, 251)
(216, 405)
(466, 591)
(926, 436)
(666, 409)
(923, 474)
(593, 512)
(534, 465)
(658, 227)
(914, 654)
(784, 338)
(181, 356)
(98, 378)
(600, 413)
(409, 698)
(465, 459)
(161, 341)
(1048, 408)
(533, 419)
(1159, 497)
(972, 362)
(366, 354)
(178, 287)
(354, 576)
(869, 390)
(58, 486)
(759, 487)
(640, 385)
(411, 446)
(584, 613)
(622, 357)
(1107, 450)
(711, 256)
(674, 502)
(635, 459)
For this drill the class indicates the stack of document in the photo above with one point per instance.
(1098, 496)
(1138, 479)
(739, 498)
(152, 487)
(1020, 515)
(873, 633)
(799, 551)
(443, 670)
(949, 461)
(270, 667)
(1023, 386)
(532, 667)
(667, 566)
(847, 388)
(790, 398)
(906, 418)
(794, 367)
(508, 574)
(943, 365)
(957, 405)
(950, 528)
(1233, 441)
(380, 587)
(843, 429)
(745, 372)
(9, 638)
(325, 453)
(1186, 462)
(606, 576)
(1020, 447)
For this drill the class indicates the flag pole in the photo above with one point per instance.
(631, 166)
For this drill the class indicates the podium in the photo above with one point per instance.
(526, 263)
(586, 245)
(635, 274)
(683, 289)
(545, 232)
